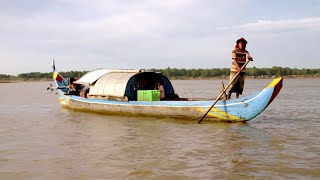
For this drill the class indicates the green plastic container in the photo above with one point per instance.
(148, 95)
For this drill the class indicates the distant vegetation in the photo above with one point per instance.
(5, 76)
(175, 73)
(223, 72)
(39, 76)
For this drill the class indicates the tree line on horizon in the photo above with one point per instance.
(223, 72)
(184, 73)
(40, 75)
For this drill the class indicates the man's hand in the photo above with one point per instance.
(249, 57)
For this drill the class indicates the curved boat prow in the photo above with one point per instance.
(276, 84)
(60, 82)
(257, 104)
(260, 102)
(246, 108)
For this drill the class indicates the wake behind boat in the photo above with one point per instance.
(131, 92)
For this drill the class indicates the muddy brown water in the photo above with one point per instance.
(40, 140)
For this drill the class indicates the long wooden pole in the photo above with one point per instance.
(215, 102)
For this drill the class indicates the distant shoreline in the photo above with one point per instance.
(176, 78)
(247, 77)
(174, 74)
(23, 80)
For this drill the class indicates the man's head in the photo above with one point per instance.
(241, 43)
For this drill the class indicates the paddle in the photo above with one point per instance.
(223, 92)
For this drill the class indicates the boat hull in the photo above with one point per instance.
(242, 109)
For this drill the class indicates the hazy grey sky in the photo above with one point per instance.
(85, 35)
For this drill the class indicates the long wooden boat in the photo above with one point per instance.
(114, 92)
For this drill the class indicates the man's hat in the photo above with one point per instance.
(243, 40)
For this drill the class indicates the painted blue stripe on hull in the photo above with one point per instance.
(253, 100)
(166, 103)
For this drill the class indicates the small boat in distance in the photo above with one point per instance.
(131, 92)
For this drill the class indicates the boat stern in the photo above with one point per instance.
(61, 86)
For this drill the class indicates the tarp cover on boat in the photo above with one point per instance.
(124, 84)
(92, 76)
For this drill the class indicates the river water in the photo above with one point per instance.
(40, 140)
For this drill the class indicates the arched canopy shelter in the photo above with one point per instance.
(123, 85)
(91, 77)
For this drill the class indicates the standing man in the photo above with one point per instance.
(239, 57)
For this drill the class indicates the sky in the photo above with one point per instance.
(126, 34)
